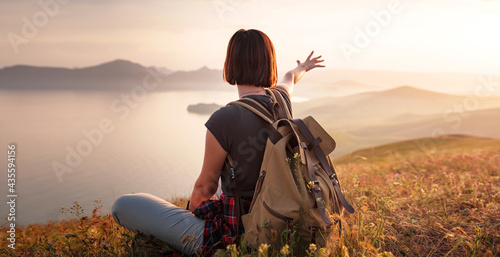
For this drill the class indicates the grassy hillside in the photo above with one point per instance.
(439, 200)
(435, 201)
(403, 150)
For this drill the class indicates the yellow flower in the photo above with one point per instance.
(232, 250)
(310, 185)
(263, 250)
(285, 251)
(312, 250)
(93, 232)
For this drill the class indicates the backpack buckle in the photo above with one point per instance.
(333, 178)
(314, 143)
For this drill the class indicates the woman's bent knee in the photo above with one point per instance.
(119, 207)
(154, 216)
(124, 204)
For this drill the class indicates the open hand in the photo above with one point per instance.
(309, 63)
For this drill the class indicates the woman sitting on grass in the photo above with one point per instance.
(212, 224)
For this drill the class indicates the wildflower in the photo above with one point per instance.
(263, 250)
(93, 232)
(233, 250)
(285, 250)
(310, 184)
(312, 250)
(267, 223)
(104, 243)
(51, 243)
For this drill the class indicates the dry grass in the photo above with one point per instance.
(411, 203)
(437, 205)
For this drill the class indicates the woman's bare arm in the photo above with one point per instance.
(206, 184)
(293, 76)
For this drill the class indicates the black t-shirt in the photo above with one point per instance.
(243, 135)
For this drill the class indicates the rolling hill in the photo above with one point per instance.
(421, 146)
(374, 118)
(481, 122)
(397, 105)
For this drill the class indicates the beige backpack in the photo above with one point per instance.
(298, 187)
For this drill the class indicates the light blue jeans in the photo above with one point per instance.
(152, 215)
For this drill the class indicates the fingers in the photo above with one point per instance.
(309, 57)
(314, 61)
(316, 58)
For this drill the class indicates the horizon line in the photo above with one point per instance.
(204, 66)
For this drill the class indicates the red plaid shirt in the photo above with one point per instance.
(221, 223)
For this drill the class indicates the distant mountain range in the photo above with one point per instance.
(124, 75)
(379, 117)
(115, 75)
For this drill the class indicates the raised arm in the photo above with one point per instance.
(293, 76)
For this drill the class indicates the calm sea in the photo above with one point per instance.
(82, 146)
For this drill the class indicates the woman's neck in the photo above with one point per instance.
(244, 90)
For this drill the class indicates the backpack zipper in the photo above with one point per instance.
(277, 215)
(258, 187)
(259, 182)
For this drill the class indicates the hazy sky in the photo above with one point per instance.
(437, 35)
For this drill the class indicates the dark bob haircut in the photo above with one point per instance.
(250, 60)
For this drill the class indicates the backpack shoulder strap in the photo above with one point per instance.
(256, 108)
(277, 97)
(262, 112)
